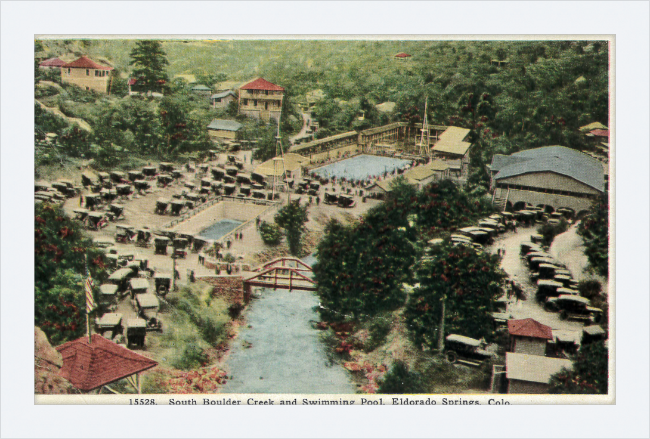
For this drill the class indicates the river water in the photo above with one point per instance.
(279, 351)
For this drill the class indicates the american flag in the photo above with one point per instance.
(90, 301)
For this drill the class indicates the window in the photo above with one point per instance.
(87, 72)
(255, 102)
(217, 99)
(245, 101)
(68, 71)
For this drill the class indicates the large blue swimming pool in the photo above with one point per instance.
(219, 229)
(361, 167)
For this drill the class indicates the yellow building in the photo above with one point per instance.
(261, 99)
(87, 74)
(293, 164)
(224, 129)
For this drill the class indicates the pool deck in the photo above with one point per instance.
(361, 167)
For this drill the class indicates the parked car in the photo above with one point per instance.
(466, 350)
(574, 308)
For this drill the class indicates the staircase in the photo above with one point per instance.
(499, 201)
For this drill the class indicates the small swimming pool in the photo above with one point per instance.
(361, 167)
(220, 228)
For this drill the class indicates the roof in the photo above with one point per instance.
(223, 94)
(148, 300)
(85, 63)
(225, 125)
(109, 289)
(386, 107)
(402, 55)
(89, 366)
(593, 126)
(452, 141)
(139, 283)
(533, 368)
(530, 328)
(600, 133)
(557, 159)
(324, 140)
(593, 330)
(200, 87)
(261, 84)
(383, 128)
(132, 81)
(291, 163)
(52, 62)
(463, 339)
(189, 78)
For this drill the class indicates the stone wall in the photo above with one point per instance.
(228, 288)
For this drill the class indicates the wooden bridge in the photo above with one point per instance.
(284, 273)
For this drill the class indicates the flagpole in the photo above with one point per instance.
(87, 310)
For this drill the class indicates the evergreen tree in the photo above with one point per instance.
(292, 219)
(149, 61)
(594, 229)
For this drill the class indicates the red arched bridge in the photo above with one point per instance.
(285, 273)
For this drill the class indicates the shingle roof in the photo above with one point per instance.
(89, 366)
(86, 63)
(223, 94)
(530, 328)
(52, 62)
(200, 87)
(452, 141)
(226, 125)
(261, 84)
(422, 172)
(557, 159)
(533, 368)
(324, 140)
(600, 133)
(402, 55)
(291, 163)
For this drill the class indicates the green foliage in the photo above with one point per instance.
(149, 62)
(192, 357)
(379, 329)
(119, 85)
(550, 231)
(589, 288)
(594, 230)
(60, 247)
(467, 281)
(442, 206)
(400, 380)
(270, 233)
(292, 219)
(590, 374)
(228, 257)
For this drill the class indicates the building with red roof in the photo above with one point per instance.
(90, 366)
(402, 56)
(528, 336)
(599, 133)
(261, 99)
(51, 63)
(87, 74)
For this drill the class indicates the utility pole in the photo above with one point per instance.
(425, 135)
(278, 164)
(441, 329)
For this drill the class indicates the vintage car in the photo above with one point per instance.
(135, 332)
(466, 350)
(574, 308)
(217, 173)
(547, 288)
(149, 171)
(124, 233)
(160, 244)
(592, 333)
(121, 278)
(93, 201)
(143, 237)
(180, 247)
(96, 221)
(346, 201)
(177, 207)
(232, 170)
(164, 179)
(142, 185)
(135, 175)
(107, 298)
(124, 189)
(258, 194)
(109, 325)
(477, 235)
(118, 177)
(148, 307)
(138, 286)
(166, 167)
(116, 211)
(162, 283)
(229, 188)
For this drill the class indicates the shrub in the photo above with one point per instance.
(399, 379)
(192, 357)
(270, 233)
(228, 257)
(379, 329)
(589, 288)
(550, 231)
(234, 310)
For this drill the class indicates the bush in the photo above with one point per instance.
(234, 310)
(550, 231)
(228, 257)
(399, 380)
(270, 233)
(589, 288)
(379, 329)
(191, 358)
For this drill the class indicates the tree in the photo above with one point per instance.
(149, 61)
(400, 380)
(292, 219)
(594, 230)
(361, 267)
(457, 288)
(60, 250)
(270, 233)
(590, 374)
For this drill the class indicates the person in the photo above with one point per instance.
(217, 271)
(192, 278)
(81, 201)
(318, 201)
(229, 269)
(228, 244)
(241, 236)
(257, 222)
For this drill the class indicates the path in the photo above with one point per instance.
(306, 122)
(515, 267)
(279, 351)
